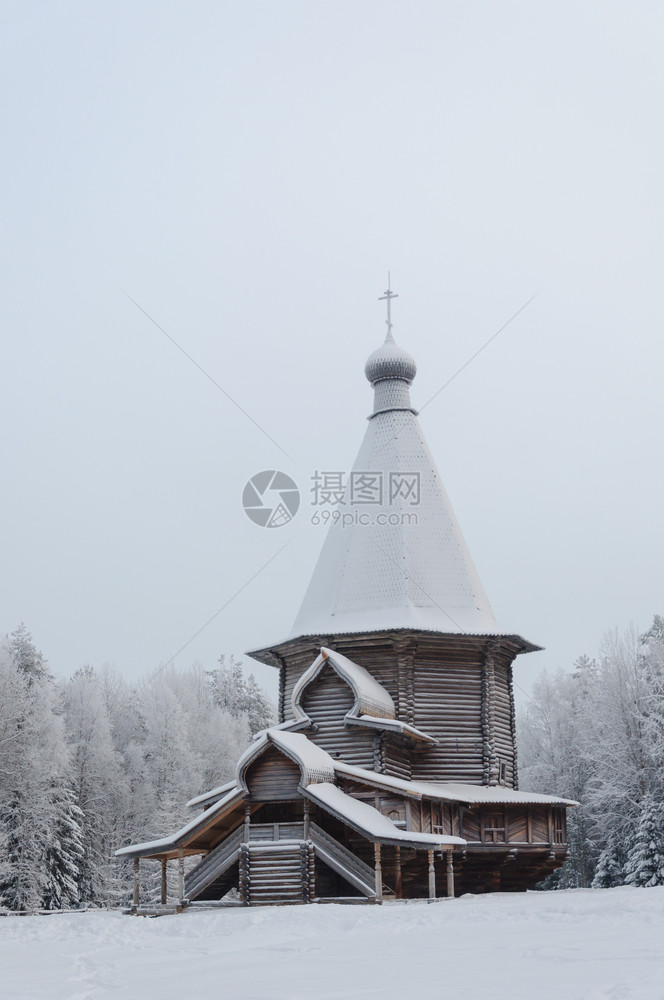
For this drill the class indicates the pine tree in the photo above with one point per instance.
(240, 695)
(27, 658)
(610, 870)
(64, 852)
(99, 784)
(645, 861)
(36, 809)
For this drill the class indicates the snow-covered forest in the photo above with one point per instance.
(92, 763)
(597, 735)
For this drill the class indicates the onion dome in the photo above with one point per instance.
(390, 361)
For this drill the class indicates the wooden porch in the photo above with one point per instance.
(279, 863)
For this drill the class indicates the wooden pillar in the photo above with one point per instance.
(397, 871)
(180, 875)
(247, 822)
(137, 891)
(432, 876)
(306, 819)
(379, 873)
(450, 875)
(164, 882)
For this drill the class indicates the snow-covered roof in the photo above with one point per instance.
(391, 725)
(448, 791)
(404, 563)
(212, 796)
(371, 823)
(319, 772)
(371, 698)
(314, 762)
(174, 840)
(488, 794)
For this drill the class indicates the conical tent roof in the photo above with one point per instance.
(396, 557)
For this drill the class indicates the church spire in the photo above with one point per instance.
(396, 558)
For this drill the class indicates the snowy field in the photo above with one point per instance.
(578, 945)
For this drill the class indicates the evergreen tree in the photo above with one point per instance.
(610, 870)
(27, 658)
(239, 695)
(645, 861)
(36, 810)
(64, 852)
(99, 784)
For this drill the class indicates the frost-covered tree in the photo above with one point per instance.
(645, 860)
(553, 736)
(27, 658)
(39, 839)
(99, 784)
(610, 870)
(90, 764)
(597, 735)
(239, 695)
(64, 852)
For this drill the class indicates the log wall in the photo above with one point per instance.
(456, 688)
(326, 701)
(273, 777)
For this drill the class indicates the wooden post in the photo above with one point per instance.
(397, 870)
(137, 890)
(247, 822)
(164, 883)
(306, 819)
(450, 875)
(180, 875)
(432, 876)
(379, 874)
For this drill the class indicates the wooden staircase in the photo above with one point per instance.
(206, 880)
(276, 866)
(277, 872)
(343, 862)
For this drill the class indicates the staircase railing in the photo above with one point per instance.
(343, 861)
(215, 864)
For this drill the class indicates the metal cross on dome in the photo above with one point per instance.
(389, 295)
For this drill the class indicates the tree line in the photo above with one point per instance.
(93, 763)
(597, 735)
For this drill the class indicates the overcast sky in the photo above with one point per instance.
(247, 173)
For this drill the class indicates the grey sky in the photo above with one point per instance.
(248, 173)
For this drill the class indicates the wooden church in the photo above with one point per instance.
(392, 773)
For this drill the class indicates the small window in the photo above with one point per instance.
(558, 828)
(494, 828)
(502, 772)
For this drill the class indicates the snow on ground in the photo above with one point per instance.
(581, 944)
